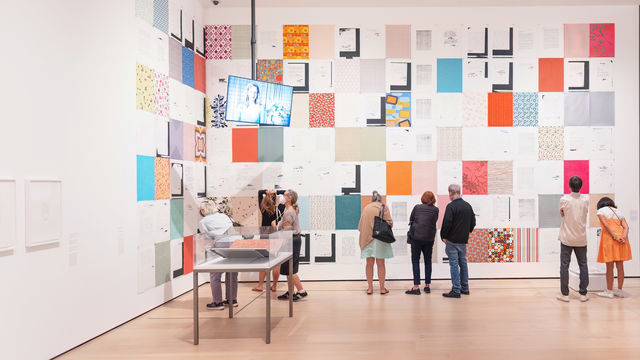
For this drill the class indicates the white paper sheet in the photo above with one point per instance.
(7, 214)
(577, 142)
(448, 109)
(574, 73)
(43, 212)
(476, 43)
(425, 140)
(601, 74)
(423, 77)
(349, 110)
(177, 100)
(449, 172)
(396, 73)
(551, 109)
(525, 41)
(525, 75)
(602, 144)
(549, 177)
(294, 73)
(176, 254)
(347, 248)
(552, 41)
(422, 108)
(526, 143)
(219, 145)
(146, 269)
(145, 133)
(524, 177)
(422, 41)
(549, 246)
(372, 42)
(321, 76)
(320, 245)
(481, 205)
(269, 42)
(152, 47)
(345, 175)
(346, 39)
(449, 41)
(401, 145)
(526, 212)
(373, 176)
(475, 76)
(602, 176)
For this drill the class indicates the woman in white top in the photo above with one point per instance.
(216, 222)
(251, 110)
(614, 244)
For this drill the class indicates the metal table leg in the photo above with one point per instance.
(195, 309)
(227, 289)
(268, 316)
(290, 283)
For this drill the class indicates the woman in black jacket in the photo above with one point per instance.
(421, 236)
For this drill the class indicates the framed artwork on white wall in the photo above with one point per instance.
(7, 214)
(43, 212)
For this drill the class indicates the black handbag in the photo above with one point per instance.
(381, 229)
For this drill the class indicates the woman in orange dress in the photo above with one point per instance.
(614, 244)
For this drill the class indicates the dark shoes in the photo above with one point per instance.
(226, 303)
(296, 297)
(215, 306)
(412, 292)
(464, 292)
(427, 290)
(451, 294)
(301, 294)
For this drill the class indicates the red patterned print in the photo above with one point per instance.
(161, 94)
(321, 110)
(474, 177)
(218, 42)
(478, 246)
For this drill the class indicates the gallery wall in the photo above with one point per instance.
(496, 99)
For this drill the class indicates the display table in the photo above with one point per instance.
(229, 253)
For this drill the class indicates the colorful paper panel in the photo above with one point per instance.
(474, 177)
(244, 144)
(270, 144)
(500, 109)
(162, 178)
(578, 168)
(218, 42)
(398, 109)
(449, 75)
(399, 178)
(321, 110)
(478, 246)
(145, 168)
(347, 212)
(602, 40)
(295, 41)
(500, 245)
(269, 71)
(551, 75)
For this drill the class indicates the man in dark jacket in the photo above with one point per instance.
(458, 222)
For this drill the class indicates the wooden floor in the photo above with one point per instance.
(508, 319)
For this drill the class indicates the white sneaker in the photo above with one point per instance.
(606, 294)
(584, 298)
(619, 293)
(564, 298)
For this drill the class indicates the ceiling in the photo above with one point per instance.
(412, 3)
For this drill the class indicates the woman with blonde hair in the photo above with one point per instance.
(290, 219)
(374, 250)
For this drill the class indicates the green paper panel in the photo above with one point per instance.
(163, 262)
(177, 218)
(347, 212)
(270, 144)
(373, 143)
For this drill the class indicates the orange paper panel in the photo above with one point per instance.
(399, 178)
(199, 73)
(244, 145)
(500, 109)
(187, 253)
(551, 75)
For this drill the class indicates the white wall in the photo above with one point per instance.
(67, 112)
(626, 103)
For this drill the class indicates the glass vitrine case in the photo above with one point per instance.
(242, 248)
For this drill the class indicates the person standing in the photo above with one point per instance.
(573, 238)
(458, 222)
(421, 236)
(374, 250)
(269, 212)
(216, 222)
(290, 219)
(614, 244)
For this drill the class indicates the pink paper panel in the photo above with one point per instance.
(576, 40)
(398, 40)
(425, 177)
(602, 40)
(578, 168)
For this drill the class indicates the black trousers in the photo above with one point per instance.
(426, 248)
(565, 259)
(297, 244)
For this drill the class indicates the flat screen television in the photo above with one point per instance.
(258, 102)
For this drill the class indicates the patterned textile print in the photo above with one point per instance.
(295, 42)
(218, 41)
(525, 248)
(525, 109)
(201, 144)
(218, 107)
(269, 70)
(500, 245)
(321, 110)
(145, 99)
(161, 94)
(551, 143)
(478, 246)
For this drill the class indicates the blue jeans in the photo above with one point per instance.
(457, 254)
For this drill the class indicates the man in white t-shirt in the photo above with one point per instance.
(573, 238)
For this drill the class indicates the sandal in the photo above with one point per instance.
(256, 289)
(413, 291)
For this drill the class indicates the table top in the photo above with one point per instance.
(239, 264)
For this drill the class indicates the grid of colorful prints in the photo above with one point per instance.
(500, 105)
(171, 197)
(500, 245)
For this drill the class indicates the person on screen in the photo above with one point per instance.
(251, 110)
